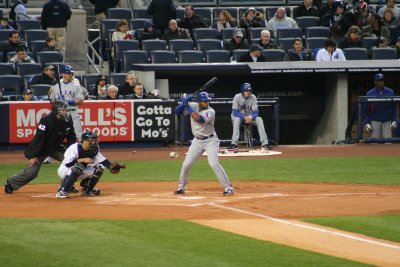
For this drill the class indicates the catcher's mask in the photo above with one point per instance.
(92, 139)
(59, 108)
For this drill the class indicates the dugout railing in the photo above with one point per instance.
(361, 102)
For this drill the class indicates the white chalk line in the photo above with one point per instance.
(315, 228)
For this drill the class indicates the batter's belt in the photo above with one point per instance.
(204, 137)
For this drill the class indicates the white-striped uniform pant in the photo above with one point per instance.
(77, 123)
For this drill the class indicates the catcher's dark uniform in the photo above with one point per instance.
(48, 141)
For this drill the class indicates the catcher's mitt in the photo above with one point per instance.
(115, 167)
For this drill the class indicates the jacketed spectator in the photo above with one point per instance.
(332, 17)
(51, 45)
(100, 88)
(18, 11)
(352, 38)
(148, 32)
(266, 42)
(254, 55)
(174, 32)
(191, 20)
(130, 81)
(280, 21)
(139, 92)
(225, 21)
(55, 14)
(101, 6)
(305, 9)
(163, 11)
(27, 95)
(388, 18)
(381, 42)
(298, 53)
(326, 8)
(20, 57)
(330, 52)
(376, 28)
(236, 42)
(122, 31)
(112, 92)
(249, 21)
(46, 77)
(390, 4)
(12, 45)
(4, 24)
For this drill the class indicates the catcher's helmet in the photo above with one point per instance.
(245, 87)
(67, 69)
(203, 97)
(59, 108)
(92, 138)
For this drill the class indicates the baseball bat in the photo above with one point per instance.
(206, 85)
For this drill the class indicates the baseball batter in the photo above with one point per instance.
(202, 118)
(245, 110)
(71, 92)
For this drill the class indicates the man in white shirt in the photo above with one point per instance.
(330, 52)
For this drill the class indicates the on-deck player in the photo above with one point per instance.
(202, 118)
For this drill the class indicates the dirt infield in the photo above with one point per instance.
(262, 210)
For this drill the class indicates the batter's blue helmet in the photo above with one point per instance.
(245, 87)
(378, 76)
(203, 97)
(67, 69)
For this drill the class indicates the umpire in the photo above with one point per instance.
(48, 141)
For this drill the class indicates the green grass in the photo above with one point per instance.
(141, 243)
(384, 226)
(357, 170)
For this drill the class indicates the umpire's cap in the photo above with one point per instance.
(378, 77)
(245, 87)
(203, 97)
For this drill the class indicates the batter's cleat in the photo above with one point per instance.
(93, 192)
(267, 146)
(180, 191)
(233, 146)
(8, 188)
(228, 192)
(61, 194)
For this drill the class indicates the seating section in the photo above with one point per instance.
(119, 13)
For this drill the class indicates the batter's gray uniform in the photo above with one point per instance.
(242, 107)
(205, 139)
(70, 91)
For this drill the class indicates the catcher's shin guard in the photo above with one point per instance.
(88, 184)
(69, 180)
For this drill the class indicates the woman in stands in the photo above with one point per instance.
(352, 38)
(376, 28)
(389, 19)
(122, 31)
(225, 20)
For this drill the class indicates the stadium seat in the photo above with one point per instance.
(384, 53)
(205, 33)
(355, 53)
(26, 81)
(190, 56)
(31, 35)
(37, 46)
(272, 55)
(180, 44)
(130, 57)
(89, 82)
(289, 33)
(6, 68)
(238, 53)
(40, 90)
(369, 42)
(208, 44)
(307, 21)
(28, 24)
(141, 13)
(117, 78)
(180, 13)
(316, 42)
(135, 24)
(286, 43)
(162, 56)
(119, 13)
(121, 46)
(318, 31)
(105, 26)
(46, 57)
(12, 84)
(205, 13)
(153, 44)
(29, 68)
(4, 35)
(217, 56)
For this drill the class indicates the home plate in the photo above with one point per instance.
(246, 153)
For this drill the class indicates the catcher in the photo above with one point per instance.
(83, 161)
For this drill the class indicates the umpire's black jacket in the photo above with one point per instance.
(50, 134)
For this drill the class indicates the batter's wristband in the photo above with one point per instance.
(71, 102)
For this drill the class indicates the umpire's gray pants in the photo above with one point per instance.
(260, 127)
(31, 172)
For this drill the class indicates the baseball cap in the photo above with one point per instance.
(378, 76)
(338, 4)
(237, 33)
(251, 9)
(255, 47)
(49, 67)
(27, 92)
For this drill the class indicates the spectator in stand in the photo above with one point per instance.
(332, 17)
(18, 11)
(174, 32)
(376, 28)
(352, 38)
(100, 88)
(237, 41)
(249, 21)
(130, 81)
(122, 32)
(255, 55)
(305, 9)
(12, 45)
(191, 20)
(388, 18)
(51, 45)
(381, 42)
(4, 24)
(280, 21)
(330, 53)
(27, 95)
(55, 14)
(390, 4)
(138, 92)
(326, 8)
(101, 6)
(163, 11)
(20, 57)
(225, 20)
(380, 117)
(149, 32)
(112, 92)
(266, 42)
(298, 53)
(46, 77)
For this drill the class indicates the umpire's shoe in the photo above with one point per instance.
(8, 189)
(180, 191)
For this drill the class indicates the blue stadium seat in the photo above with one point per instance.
(190, 56)
(208, 44)
(289, 33)
(226, 33)
(135, 24)
(217, 56)
(384, 53)
(37, 46)
(28, 24)
(119, 13)
(141, 13)
(117, 78)
(316, 42)
(181, 44)
(105, 26)
(205, 33)
(270, 12)
(243, 10)
(121, 46)
(130, 57)
(89, 82)
(232, 10)
(318, 31)
(33, 35)
(46, 57)
(4, 35)
(272, 55)
(307, 21)
(29, 68)
(369, 42)
(12, 84)
(239, 53)
(153, 44)
(162, 56)
(286, 43)
(355, 53)
(6, 68)
(40, 90)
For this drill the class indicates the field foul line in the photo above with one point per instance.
(315, 228)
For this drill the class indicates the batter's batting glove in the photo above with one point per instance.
(190, 109)
(368, 127)
(394, 124)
